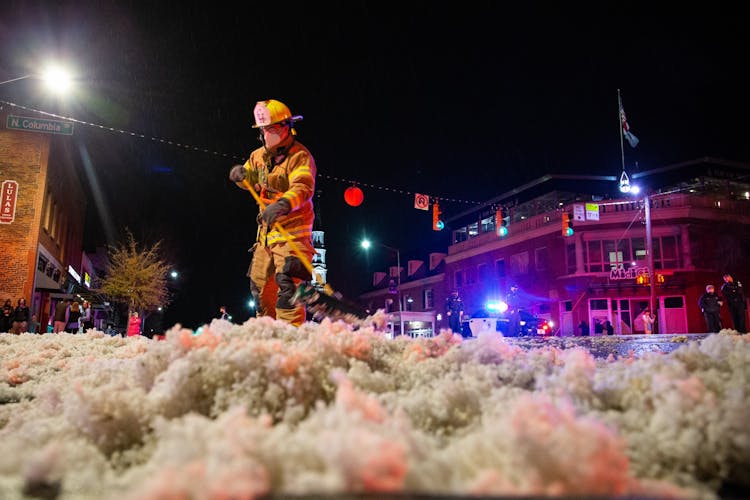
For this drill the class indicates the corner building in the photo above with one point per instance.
(699, 225)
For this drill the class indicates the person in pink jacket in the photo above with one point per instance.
(134, 325)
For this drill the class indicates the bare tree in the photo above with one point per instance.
(136, 276)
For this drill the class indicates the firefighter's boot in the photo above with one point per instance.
(295, 316)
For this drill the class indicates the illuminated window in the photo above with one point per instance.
(427, 299)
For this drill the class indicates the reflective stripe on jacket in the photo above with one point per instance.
(292, 179)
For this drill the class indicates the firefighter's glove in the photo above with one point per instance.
(275, 210)
(237, 174)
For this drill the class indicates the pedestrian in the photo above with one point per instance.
(584, 327)
(454, 309)
(513, 301)
(735, 297)
(72, 317)
(134, 324)
(282, 172)
(87, 320)
(61, 308)
(648, 321)
(34, 324)
(710, 305)
(609, 328)
(6, 319)
(598, 326)
(21, 316)
(223, 314)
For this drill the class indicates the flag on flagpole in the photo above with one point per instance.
(632, 139)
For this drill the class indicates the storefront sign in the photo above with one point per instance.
(627, 274)
(8, 203)
(579, 212)
(74, 273)
(592, 211)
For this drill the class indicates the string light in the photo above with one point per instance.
(227, 155)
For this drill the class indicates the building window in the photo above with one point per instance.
(541, 257)
(519, 263)
(594, 261)
(488, 224)
(458, 279)
(460, 235)
(482, 272)
(473, 229)
(605, 255)
(570, 258)
(471, 276)
(47, 212)
(500, 268)
(427, 299)
(665, 252)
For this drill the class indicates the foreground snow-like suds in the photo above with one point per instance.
(262, 408)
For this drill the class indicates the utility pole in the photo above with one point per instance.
(650, 256)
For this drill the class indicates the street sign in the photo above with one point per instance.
(39, 125)
(579, 213)
(8, 203)
(592, 211)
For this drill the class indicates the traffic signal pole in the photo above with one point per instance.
(650, 255)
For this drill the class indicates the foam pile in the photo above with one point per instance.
(261, 408)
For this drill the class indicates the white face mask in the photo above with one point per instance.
(273, 135)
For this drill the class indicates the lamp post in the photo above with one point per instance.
(626, 187)
(56, 78)
(366, 244)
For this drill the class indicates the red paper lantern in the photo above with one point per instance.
(354, 196)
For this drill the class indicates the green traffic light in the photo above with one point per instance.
(569, 231)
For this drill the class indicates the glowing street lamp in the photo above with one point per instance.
(366, 244)
(174, 274)
(55, 78)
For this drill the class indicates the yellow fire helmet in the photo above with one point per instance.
(272, 111)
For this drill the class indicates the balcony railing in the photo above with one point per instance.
(667, 206)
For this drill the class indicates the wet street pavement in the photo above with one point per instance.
(617, 345)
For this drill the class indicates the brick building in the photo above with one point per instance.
(43, 213)
(698, 224)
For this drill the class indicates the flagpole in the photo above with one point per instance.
(619, 116)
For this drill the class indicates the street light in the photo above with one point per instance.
(366, 244)
(56, 79)
(635, 190)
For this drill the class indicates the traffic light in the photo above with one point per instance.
(501, 226)
(437, 224)
(567, 224)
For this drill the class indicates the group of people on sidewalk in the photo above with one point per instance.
(72, 317)
(17, 319)
(710, 304)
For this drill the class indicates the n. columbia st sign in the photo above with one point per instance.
(39, 125)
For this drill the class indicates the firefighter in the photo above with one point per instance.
(282, 171)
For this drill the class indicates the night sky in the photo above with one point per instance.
(462, 102)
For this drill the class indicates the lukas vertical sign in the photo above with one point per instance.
(8, 202)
